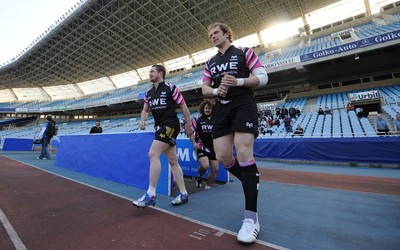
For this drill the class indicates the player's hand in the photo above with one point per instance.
(142, 125)
(197, 146)
(189, 130)
(222, 90)
(228, 80)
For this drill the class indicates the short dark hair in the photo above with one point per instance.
(225, 29)
(160, 68)
(49, 118)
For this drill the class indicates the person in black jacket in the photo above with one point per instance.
(45, 138)
(96, 129)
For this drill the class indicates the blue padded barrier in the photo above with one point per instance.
(17, 144)
(378, 150)
(122, 158)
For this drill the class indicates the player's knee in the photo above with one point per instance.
(225, 160)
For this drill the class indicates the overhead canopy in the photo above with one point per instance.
(105, 38)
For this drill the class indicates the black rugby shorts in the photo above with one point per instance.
(239, 115)
(167, 134)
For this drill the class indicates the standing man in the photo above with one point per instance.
(227, 76)
(45, 136)
(162, 99)
(96, 129)
(203, 144)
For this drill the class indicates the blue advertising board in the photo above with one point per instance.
(351, 46)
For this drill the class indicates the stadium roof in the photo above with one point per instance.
(103, 38)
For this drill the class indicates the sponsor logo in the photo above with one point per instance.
(249, 124)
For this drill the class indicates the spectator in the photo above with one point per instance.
(288, 124)
(362, 113)
(267, 111)
(277, 122)
(278, 112)
(382, 126)
(396, 124)
(299, 131)
(327, 111)
(292, 112)
(265, 127)
(350, 107)
(284, 112)
(321, 111)
(298, 112)
(96, 129)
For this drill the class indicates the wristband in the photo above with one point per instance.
(239, 82)
(215, 91)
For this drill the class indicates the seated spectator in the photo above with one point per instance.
(288, 124)
(299, 131)
(350, 107)
(362, 113)
(396, 124)
(298, 113)
(284, 112)
(270, 121)
(267, 111)
(292, 112)
(277, 112)
(277, 122)
(327, 111)
(382, 126)
(321, 111)
(264, 127)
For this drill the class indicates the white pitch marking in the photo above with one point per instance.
(18, 244)
(195, 237)
(200, 234)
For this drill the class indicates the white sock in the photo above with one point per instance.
(151, 191)
(251, 215)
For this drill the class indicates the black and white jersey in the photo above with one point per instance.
(163, 102)
(236, 61)
(202, 126)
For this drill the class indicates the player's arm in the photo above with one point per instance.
(186, 114)
(195, 135)
(259, 77)
(207, 90)
(178, 98)
(144, 115)
(41, 134)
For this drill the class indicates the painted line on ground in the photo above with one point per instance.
(222, 230)
(16, 240)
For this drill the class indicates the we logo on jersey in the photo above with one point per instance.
(224, 67)
(206, 127)
(158, 102)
